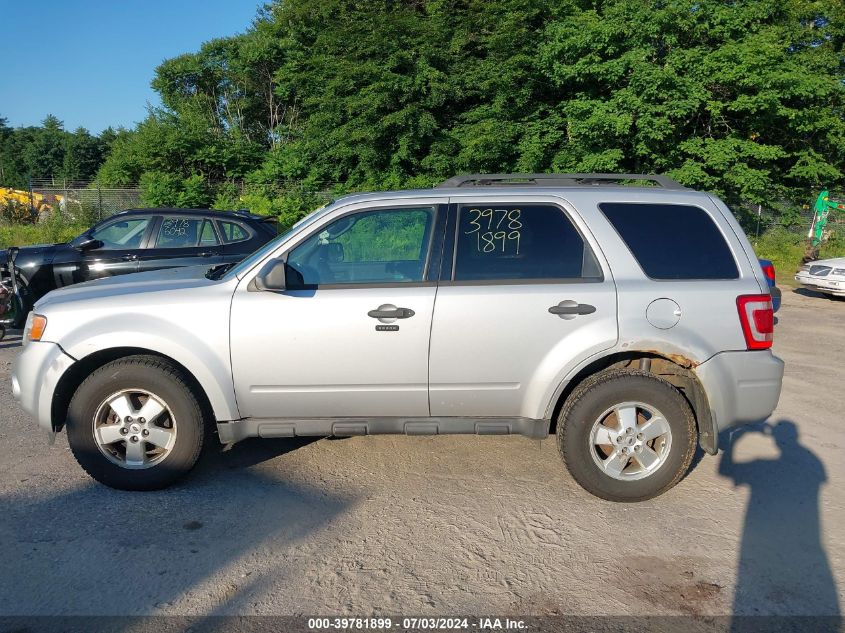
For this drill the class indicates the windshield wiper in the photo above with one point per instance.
(217, 271)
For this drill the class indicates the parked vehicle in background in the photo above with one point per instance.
(825, 275)
(28, 205)
(139, 240)
(769, 273)
(632, 322)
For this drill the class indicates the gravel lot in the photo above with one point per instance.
(442, 525)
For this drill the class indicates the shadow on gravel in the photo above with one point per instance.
(250, 452)
(805, 292)
(11, 339)
(782, 560)
(92, 550)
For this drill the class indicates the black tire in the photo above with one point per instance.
(603, 391)
(136, 372)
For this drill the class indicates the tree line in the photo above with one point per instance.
(48, 151)
(744, 98)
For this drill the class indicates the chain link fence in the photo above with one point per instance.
(796, 222)
(79, 201)
(88, 202)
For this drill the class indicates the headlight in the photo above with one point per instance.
(34, 328)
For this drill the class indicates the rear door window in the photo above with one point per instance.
(520, 241)
(178, 232)
(672, 241)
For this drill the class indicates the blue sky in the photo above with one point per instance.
(90, 62)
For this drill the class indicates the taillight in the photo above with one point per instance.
(769, 272)
(758, 320)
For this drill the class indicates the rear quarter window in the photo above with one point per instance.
(672, 241)
(232, 232)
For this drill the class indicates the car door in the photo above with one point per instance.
(524, 296)
(118, 241)
(182, 240)
(349, 336)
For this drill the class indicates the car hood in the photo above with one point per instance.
(42, 252)
(834, 262)
(169, 279)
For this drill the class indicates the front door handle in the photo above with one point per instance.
(205, 254)
(130, 258)
(570, 309)
(391, 313)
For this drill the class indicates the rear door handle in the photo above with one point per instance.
(391, 313)
(570, 309)
(130, 258)
(205, 254)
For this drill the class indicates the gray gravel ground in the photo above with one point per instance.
(444, 524)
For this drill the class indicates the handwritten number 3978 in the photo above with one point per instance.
(496, 229)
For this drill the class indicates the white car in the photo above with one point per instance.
(825, 275)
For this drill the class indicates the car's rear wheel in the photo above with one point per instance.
(626, 435)
(135, 424)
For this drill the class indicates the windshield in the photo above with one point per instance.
(261, 253)
(120, 232)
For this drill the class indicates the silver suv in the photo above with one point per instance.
(630, 321)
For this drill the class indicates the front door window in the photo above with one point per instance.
(122, 234)
(370, 247)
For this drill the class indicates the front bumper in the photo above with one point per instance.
(35, 374)
(741, 387)
(821, 284)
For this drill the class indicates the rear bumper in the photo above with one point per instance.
(35, 374)
(741, 387)
(821, 284)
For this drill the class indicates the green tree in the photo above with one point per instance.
(195, 193)
(160, 189)
(745, 99)
(83, 155)
(44, 155)
(5, 158)
(50, 152)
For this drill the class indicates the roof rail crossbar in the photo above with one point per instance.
(554, 180)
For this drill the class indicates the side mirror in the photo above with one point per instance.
(272, 277)
(89, 244)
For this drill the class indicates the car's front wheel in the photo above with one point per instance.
(626, 435)
(135, 424)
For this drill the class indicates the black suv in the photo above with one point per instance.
(139, 240)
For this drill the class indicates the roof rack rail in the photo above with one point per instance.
(553, 180)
